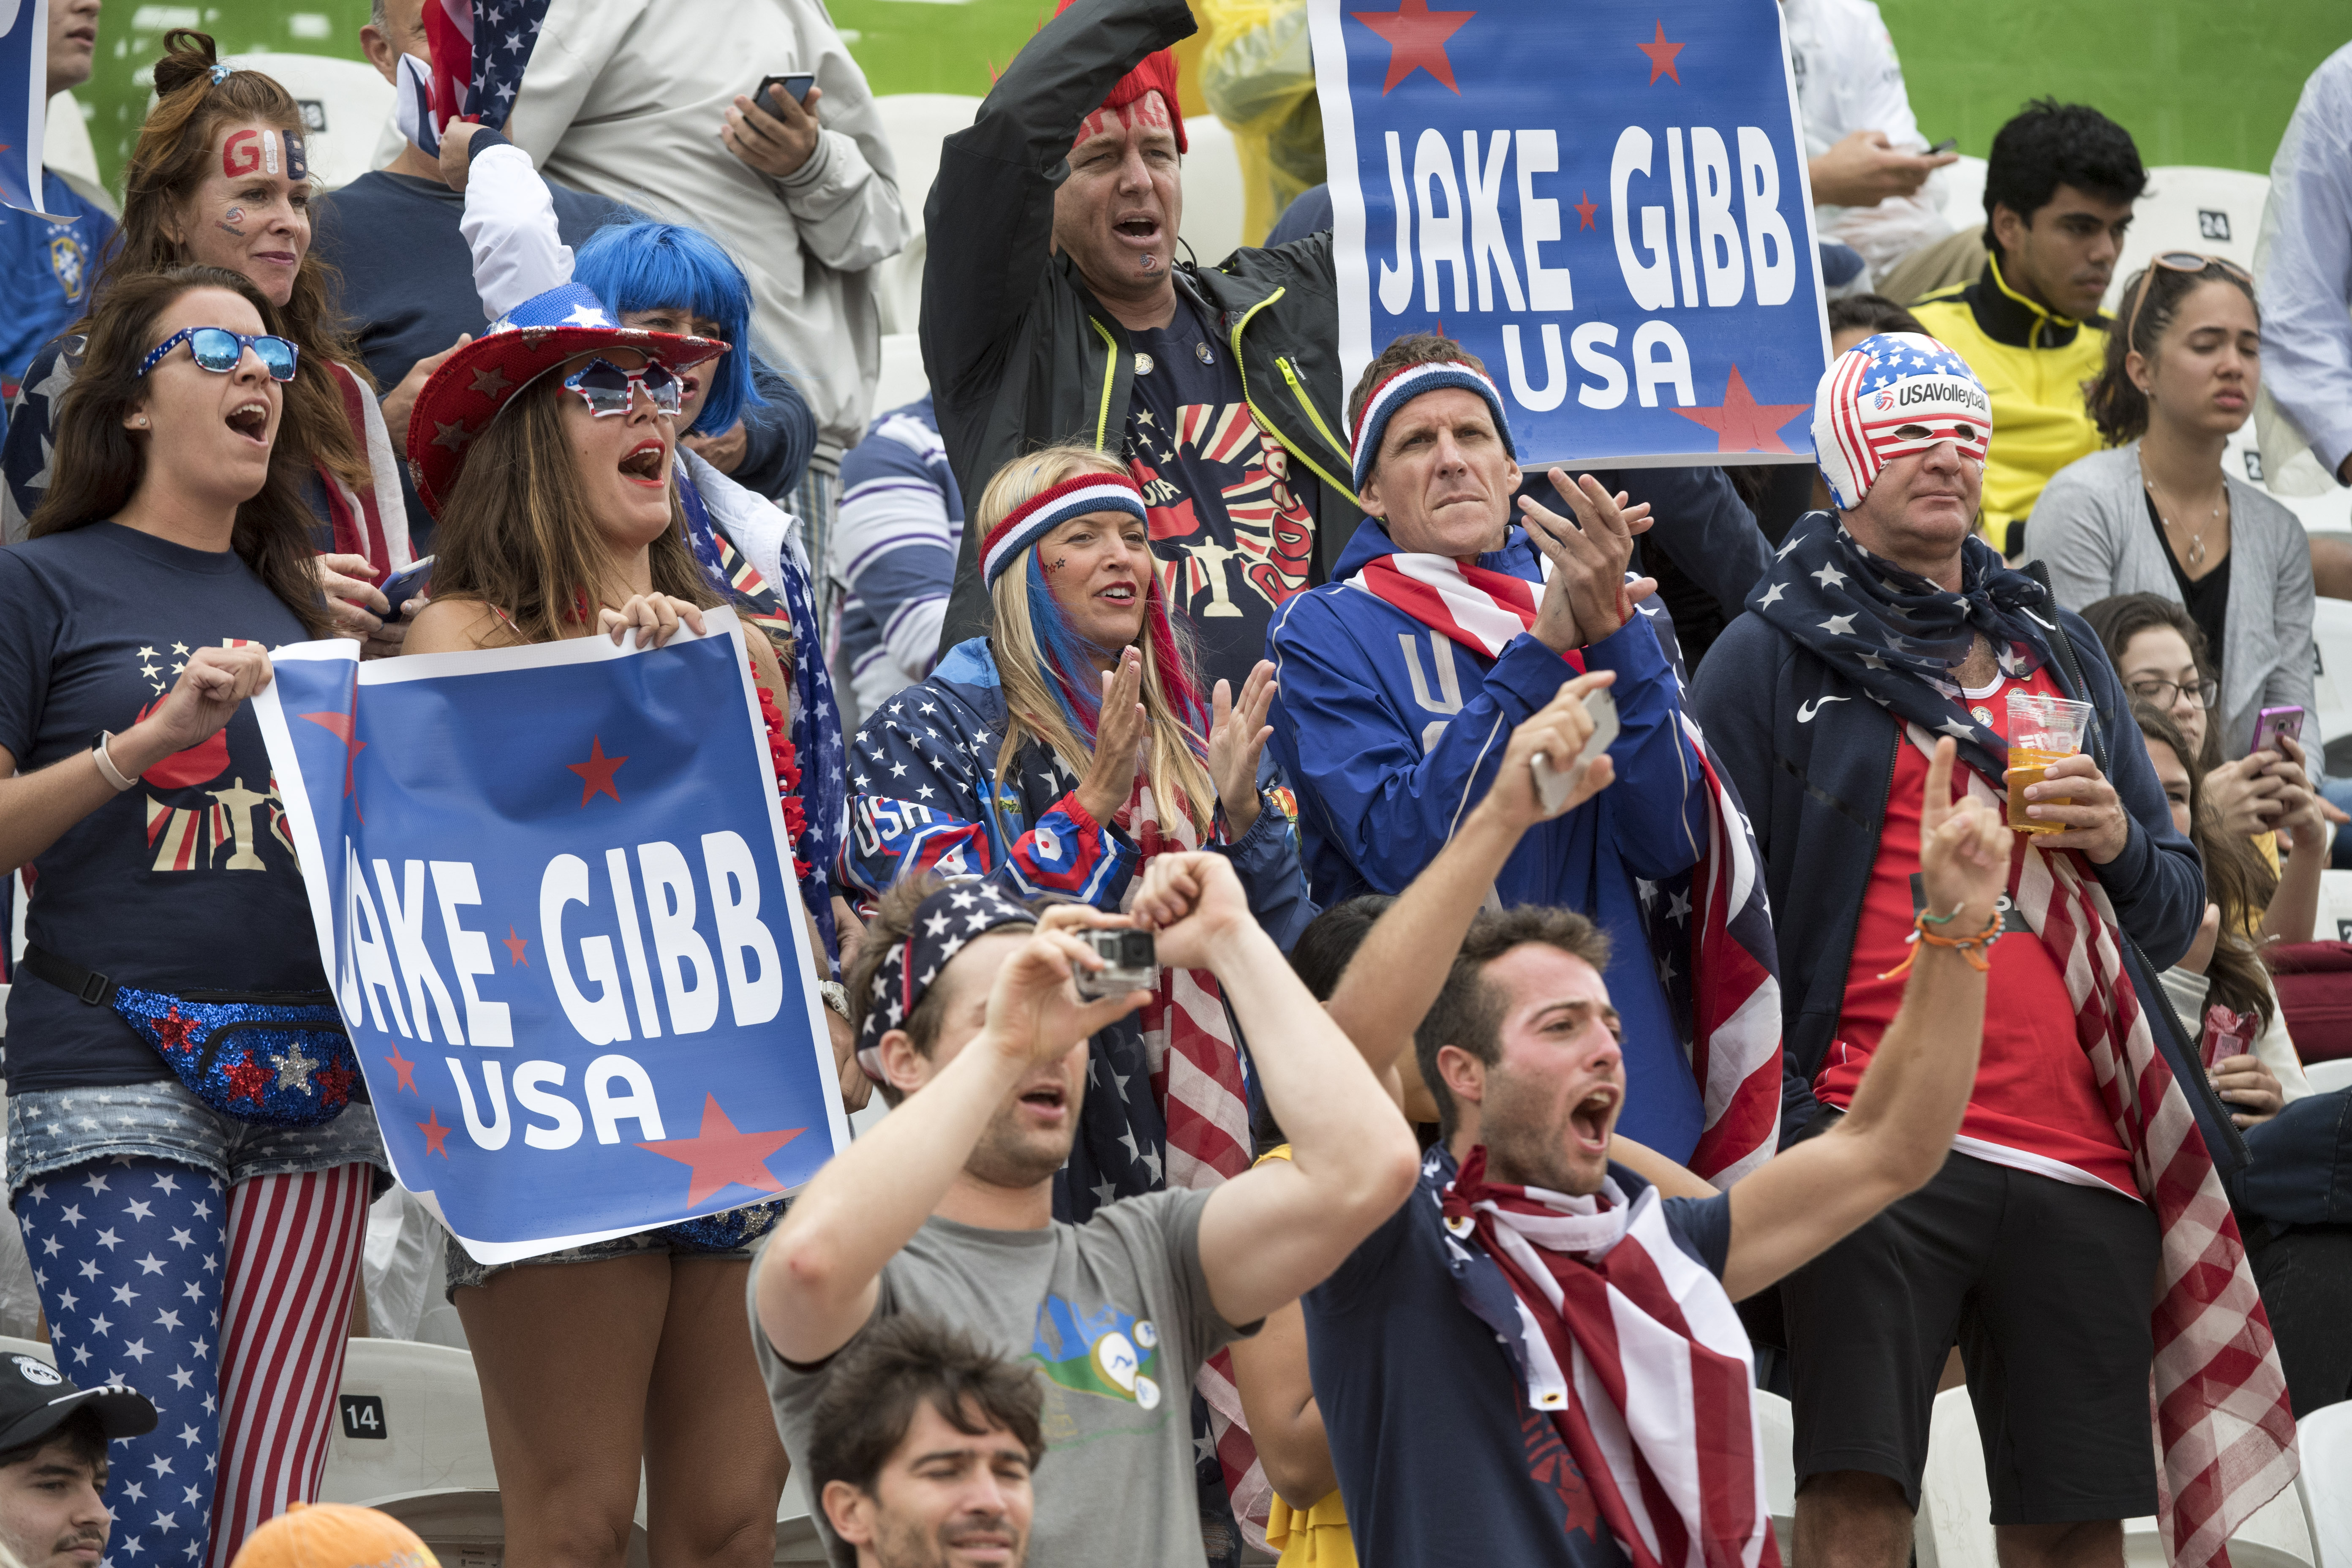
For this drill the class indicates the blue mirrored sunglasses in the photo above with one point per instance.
(217, 349)
(607, 388)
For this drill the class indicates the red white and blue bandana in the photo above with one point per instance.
(1401, 388)
(1889, 396)
(943, 923)
(1042, 513)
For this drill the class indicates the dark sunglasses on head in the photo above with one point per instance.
(2188, 262)
(218, 350)
(607, 388)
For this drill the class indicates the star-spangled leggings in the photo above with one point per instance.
(227, 1312)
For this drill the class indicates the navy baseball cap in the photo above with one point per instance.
(35, 1398)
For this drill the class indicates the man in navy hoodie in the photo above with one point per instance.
(1442, 627)
(1882, 627)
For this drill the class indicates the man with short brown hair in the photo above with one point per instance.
(53, 1438)
(923, 1446)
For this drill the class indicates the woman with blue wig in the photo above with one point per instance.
(666, 278)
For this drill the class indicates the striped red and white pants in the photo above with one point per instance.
(227, 1311)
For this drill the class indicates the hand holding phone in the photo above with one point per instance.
(1948, 144)
(1553, 784)
(405, 584)
(2274, 722)
(797, 84)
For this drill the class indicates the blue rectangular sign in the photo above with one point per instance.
(1605, 201)
(550, 888)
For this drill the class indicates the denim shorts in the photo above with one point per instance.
(752, 1222)
(53, 1130)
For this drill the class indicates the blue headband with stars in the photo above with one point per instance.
(943, 923)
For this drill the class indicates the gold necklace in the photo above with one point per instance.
(2197, 540)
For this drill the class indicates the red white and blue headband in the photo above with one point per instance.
(956, 914)
(1402, 388)
(1047, 511)
(1891, 396)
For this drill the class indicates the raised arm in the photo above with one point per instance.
(818, 1278)
(1270, 1233)
(1894, 1135)
(994, 194)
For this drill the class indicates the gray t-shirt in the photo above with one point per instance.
(1116, 1315)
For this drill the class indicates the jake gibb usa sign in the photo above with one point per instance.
(1606, 201)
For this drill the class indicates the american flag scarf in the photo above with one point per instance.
(2223, 1430)
(1637, 1355)
(1711, 929)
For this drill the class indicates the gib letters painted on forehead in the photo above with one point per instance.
(264, 151)
(1889, 396)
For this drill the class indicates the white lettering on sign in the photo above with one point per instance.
(1548, 287)
(1440, 232)
(1652, 282)
(491, 1123)
(1486, 241)
(487, 1024)
(1771, 252)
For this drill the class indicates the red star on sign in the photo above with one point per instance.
(1662, 56)
(435, 1135)
(597, 773)
(515, 944)
(339, 725)
(1416, 37)
(721, 1157)
(245, 1081)
(406, 1068)
(1743, 424)
(1585, 209)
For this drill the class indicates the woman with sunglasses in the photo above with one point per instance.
(666, 278)
(558, 519)
(195, 1249)
(218, 179)
(2158, 514)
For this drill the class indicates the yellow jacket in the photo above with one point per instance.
(2033, 364)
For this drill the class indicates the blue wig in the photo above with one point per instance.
(659, 265)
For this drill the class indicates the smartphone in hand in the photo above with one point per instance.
(797, 84)
(2271, 723)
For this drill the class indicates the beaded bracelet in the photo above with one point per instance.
(1971, 947)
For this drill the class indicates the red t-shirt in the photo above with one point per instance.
(2036, 1105)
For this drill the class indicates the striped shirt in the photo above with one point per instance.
(893, 552)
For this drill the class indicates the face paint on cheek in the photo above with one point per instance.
(229, 220)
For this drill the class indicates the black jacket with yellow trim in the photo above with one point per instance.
(1019, 353)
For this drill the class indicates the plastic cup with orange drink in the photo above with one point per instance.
(2043, 730)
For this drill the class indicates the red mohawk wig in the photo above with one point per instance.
(1156, 74)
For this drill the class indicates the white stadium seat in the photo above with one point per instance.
(1953, 1527)
(408, 1419)
(1962, 188)
(2214, 212)
(914, 124)
(902, 379)
(2331, 630)
(2276, 1537)
(2325, 1078)
(1780, 1467)
(2325, 1484)
(1214, 197)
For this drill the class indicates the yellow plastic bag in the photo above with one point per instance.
(1257, 75)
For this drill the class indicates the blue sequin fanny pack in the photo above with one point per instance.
(278, 1058)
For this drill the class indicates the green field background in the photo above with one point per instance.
(2193, 83)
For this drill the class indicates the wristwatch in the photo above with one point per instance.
(835, 994)
(114, 775)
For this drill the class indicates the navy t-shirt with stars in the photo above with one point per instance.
(1232, 526)
(186, 881)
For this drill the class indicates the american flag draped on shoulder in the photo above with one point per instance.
(2224, 1429)
(1710, 928)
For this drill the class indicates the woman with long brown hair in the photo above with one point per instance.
(1057, 755)
(185, 1155)
(2224, 966)
(218, 179)
(558, 519)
